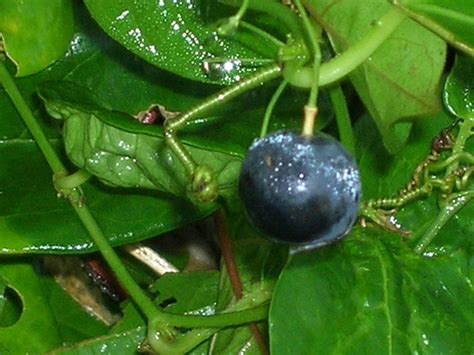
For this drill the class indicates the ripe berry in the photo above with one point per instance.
(299, 189)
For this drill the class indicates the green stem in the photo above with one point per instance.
(110, 256)
(310, 31)
(223, 96)
(236, 314)
(262, 33)
(71, 181)
(271, 106)
(441, 31)
(465, 131)
(343, 119)
(30, 121)
(276, 10)
(455, 204)
(76, 199)
(221, 320)
(342, 65)
(233, 22)
(451, 162)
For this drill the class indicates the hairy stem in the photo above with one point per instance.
(223, 96)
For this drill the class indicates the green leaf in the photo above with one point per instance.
(35, 32)
(75, 324)
(451, 20)
(30, 209)
(384, 175)
(125, 343)
(173, 35)
(123, 152)
(109, 70)
(36, 330)
(459, 88)
(10, 306)
(371, 294)
(401, 79)
(259, 262)
(174, 291)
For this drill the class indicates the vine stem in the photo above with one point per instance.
(343, 118)
(465, 132)
(445, 34)
(233, 271)
(260, 77)
(30, 121)
(274, 9)
(271, 105)
(75, 197)
(160, 319)
(354, 56)
(311, 110)
(457, 202)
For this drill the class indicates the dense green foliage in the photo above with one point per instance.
(400, 282)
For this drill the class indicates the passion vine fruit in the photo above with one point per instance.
(300, 189)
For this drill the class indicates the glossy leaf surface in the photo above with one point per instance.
(452, 20)
(123, 152)
(30, 209)
(74, 321)
(126, 343)
(370, 294)
(35, 32)
(459, 88)
(401, 79)
(36, 323)
(181, 39)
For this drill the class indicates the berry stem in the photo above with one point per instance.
(310, 113)
(310, 110)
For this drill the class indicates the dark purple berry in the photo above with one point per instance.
(299, 189)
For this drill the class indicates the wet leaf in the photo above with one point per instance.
(401, 79)
(30, 209)
(182, 38)
(126, 343)
(459, 88)
(35, 32)
(36, 330)
(121, 151)
(372, 294)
